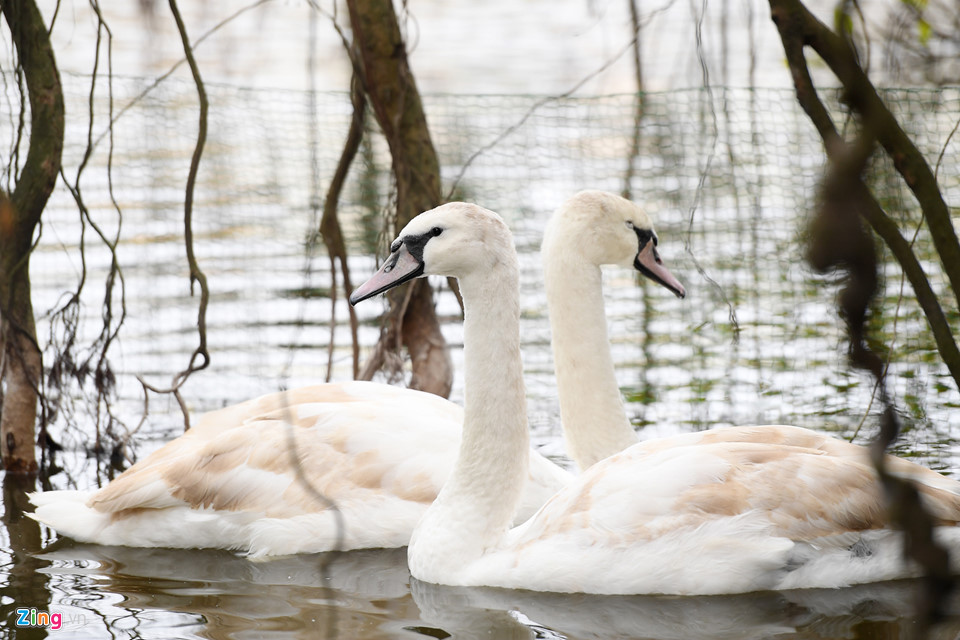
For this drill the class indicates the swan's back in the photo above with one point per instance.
(356, 436)
(936, 488)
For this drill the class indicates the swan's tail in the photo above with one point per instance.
(870, 556)
(67, 512)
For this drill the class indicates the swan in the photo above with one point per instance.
(378, 452)
(715, 517)
(591, 229)
(262, 476)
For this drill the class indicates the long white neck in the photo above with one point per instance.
(477, 504)
(595, 425)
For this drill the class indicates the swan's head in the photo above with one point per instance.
(455, 239)
(603, 228)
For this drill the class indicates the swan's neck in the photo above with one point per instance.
(595, 425)
(477, 504)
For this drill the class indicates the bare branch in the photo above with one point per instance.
(330, 224)
(839, 240)
(196, 274)
(798, 26)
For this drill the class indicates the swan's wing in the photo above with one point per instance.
(783, 435)
(276, 453)
(639, 496)
(939, 491)
(714, 518)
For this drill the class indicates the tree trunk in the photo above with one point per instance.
(381, 64)
(20, 357)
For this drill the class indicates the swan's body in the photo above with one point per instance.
(723, 512)
(260, 476)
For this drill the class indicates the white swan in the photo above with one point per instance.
(718, 517)
(591, 229)
(260, 476)
(379, 453)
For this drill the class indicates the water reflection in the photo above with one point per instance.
(868, 611)
(122, 592)
(26, 582)
(216, 594)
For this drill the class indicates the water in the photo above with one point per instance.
(678, 362)
(125, 593)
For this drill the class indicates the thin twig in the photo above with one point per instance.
(330, 229)
(159, 80)
(640, 106)
(701, 182)
(196, 274)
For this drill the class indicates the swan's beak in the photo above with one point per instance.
(399, 267)
(648, 263)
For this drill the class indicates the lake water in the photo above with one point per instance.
(728, 177)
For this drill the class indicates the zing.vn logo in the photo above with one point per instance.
(33, 618)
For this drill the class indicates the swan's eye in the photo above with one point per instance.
(629, 224)
(436, 231)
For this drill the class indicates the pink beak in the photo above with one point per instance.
(648, 263)
(399, 267)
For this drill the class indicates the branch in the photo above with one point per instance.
(42, 164)
(386, 77)
(640, 107)
(839, 240)
(863, 98)
(196, 275)
(330, 225)
(797, 27)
